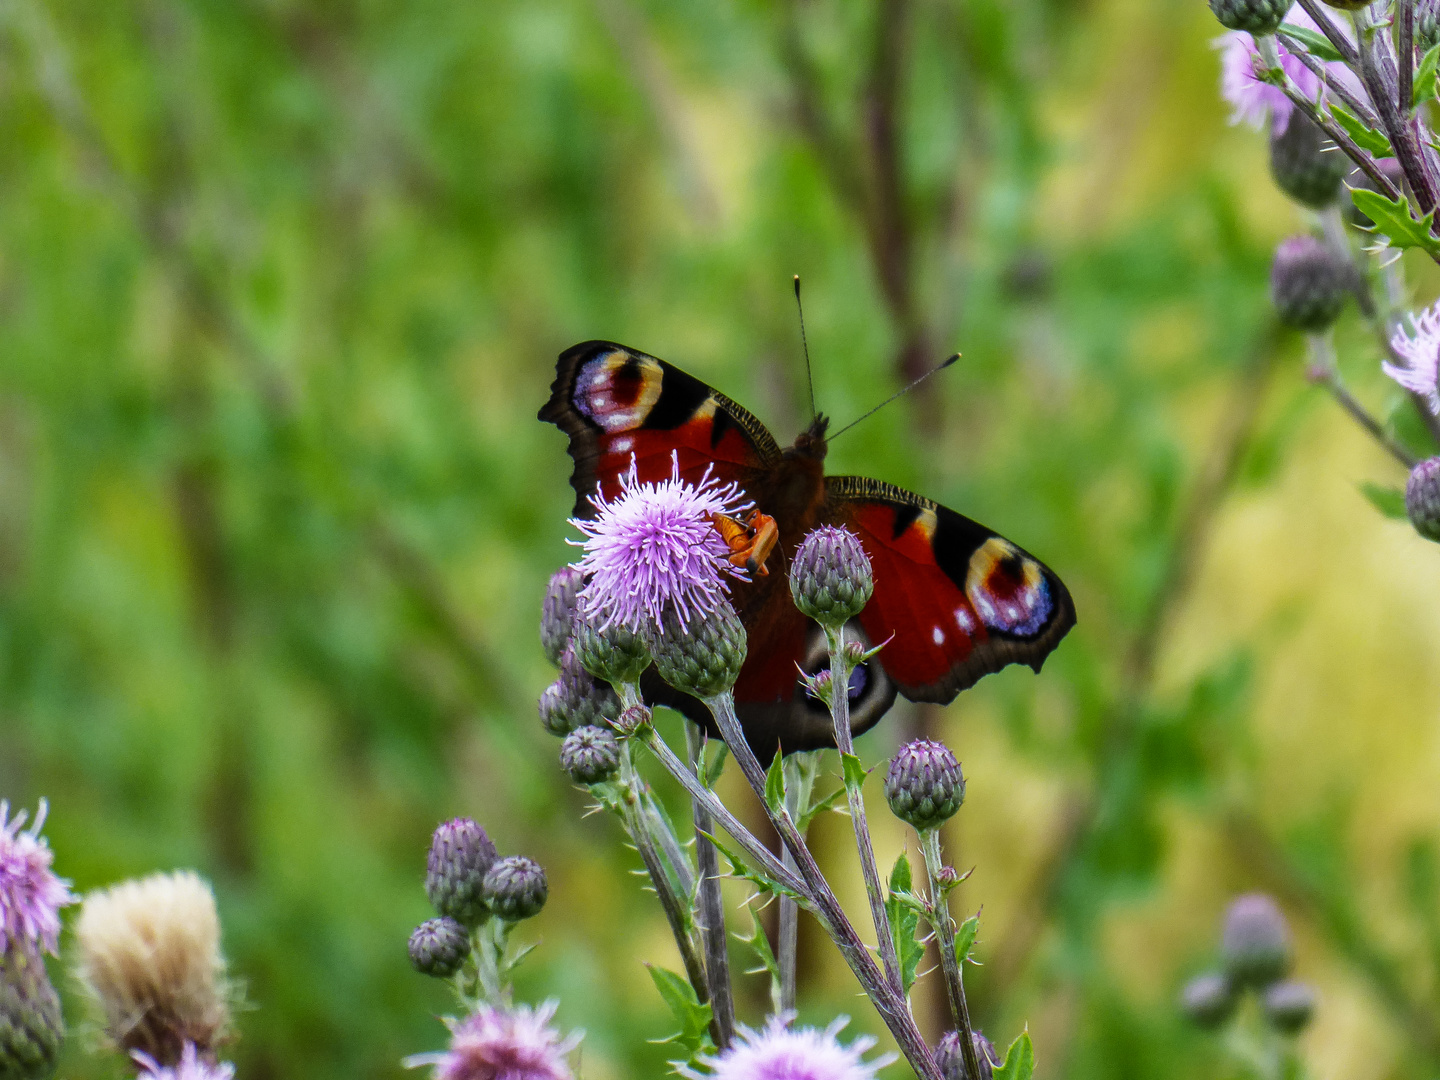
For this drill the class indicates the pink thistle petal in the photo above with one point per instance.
(1254, 102)
(190, 1067)
(780, 1052)
(1420, 351)
(31, 896)
(503, 1044)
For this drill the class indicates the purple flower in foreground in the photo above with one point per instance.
(31, 896)
(1421, 352)
(1254, 101)
(191, 1067)
(503, 1044)
(780, 1052)
(655, 548)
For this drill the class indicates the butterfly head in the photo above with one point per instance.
(811, 443)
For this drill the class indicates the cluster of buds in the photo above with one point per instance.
(1256, 957)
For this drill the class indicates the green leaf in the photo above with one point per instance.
(1364, 135)
(712, 774)
(1316, 43)
(854, 771)
(760, 946)
(741, 868)
(1019, 1060)
(1390, 501)
(775, 784)
(965, 938)
(1424, 88)
(1395, 219)
(904, 922)
(693, 1017)
(816, 809)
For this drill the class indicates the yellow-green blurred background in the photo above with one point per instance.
(281, 288)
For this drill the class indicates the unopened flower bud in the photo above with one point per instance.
(31, 1027)
(947, 875)
(830, 578)
(704, 656)
(1255, 943)
(1427, 25)
(1422, 498)
(632, 720)
(439, 947)
(1252, 16)
(461, 853)
(924, 785)
(557, 614)
(1308, 284)
(1305, 164)
(611, 653)
(1208, 1000)
(590, 755)
(515, 888)
(1289, 1005)
(951, 1058)
(576, 698)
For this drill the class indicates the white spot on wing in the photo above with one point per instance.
(964, 620)
(939, 636)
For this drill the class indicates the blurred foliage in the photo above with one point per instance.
(281, 285)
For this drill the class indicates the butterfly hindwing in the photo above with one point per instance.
(955, 600)
(616, 403)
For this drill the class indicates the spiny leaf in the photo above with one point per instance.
(760, 945)
(1019, 1060)
(1395, 219)
(816, 809)
(1390, 501)
(741, 868)
(854, 771)
(1316, 43)
(712, 774)
(1366, 137)
(904, 922)
(775, 784)
(965, 938)
(1425, 78)
(689, 1013)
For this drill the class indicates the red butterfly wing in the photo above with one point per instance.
(956, 600)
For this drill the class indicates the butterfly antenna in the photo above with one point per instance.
(805, 345)
(895, 396)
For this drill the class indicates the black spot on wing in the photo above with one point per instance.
(956, 539)
(680, 396)
(719, 426)
(904, 517)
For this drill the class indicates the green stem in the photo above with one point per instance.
(944, 924)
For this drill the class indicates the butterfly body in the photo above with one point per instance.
(953, 601)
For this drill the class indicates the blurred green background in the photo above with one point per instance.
(281, 288)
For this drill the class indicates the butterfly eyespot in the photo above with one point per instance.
(617, 390)
(1007, 590)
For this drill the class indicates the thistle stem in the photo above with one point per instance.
(712, 905)
(944, 925)
(799, 781)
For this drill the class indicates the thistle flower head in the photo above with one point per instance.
(191, 1066)
(951, 1057)
(31, 1027)
(515, 888)
(150, 957)
(31, 896)
(557, 614)
(461, 853)
(1254, 102)
(590, 755)
(576, 698)
(830, 580)
(780, 1052)
(1419, 349)
(1208, 1000)
(439, 947)
(1422, 498)
(924, 784)
(704, 658)
(654, 549)
(1255, 943)
(1289, 1005)
(495, 1043)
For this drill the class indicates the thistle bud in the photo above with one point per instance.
(704, 656)
(1348, 5)
(590, 755)
(461, 853)
(1252, 16)
(576, 698)
(951, 1058)
(611, 653)
(1427, 25)
(439, 947)
(1255, 943)
(632, 720)
(1422, 498)
(31, 1027)
(1305, 165)
(1289, 1005)
(1308, 284)
(557, 613)
(1208, 1000)
(830, 578)
(924, 785)
(515, 888)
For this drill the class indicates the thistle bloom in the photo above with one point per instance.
(654, 548)
(1420, 350)
(503, 1044)
(1254, 101)
(190, 1067)
(780, 1052)
(31, 896)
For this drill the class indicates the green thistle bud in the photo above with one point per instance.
(951, 1058)
(1208, 1000)
(576, 698)
(515, 888)
(590, 755)
(557, 614)
(460, 855)
(1348, 5)
(1255, 943)
(924, 786)
(1252, 16)
(611, 654)
(1308, 283)
(704, 656)
(1427, 25)
(31, 1027)
(1289, 1005)
(439, 947)
(1422, 498)
(632, 720)
(830, 578)
(1305, 164)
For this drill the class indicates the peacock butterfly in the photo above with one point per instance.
(953, 600)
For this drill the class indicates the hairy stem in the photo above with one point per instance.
(944, 925)
(1324, 370)
(712, 904)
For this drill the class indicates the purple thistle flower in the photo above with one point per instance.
(503, 1044)
(1421, 353)
(1254, 101)
(780, 1052)
(655, 548)
(190, 1067)
(31, 896)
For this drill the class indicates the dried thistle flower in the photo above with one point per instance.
(150, 957)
